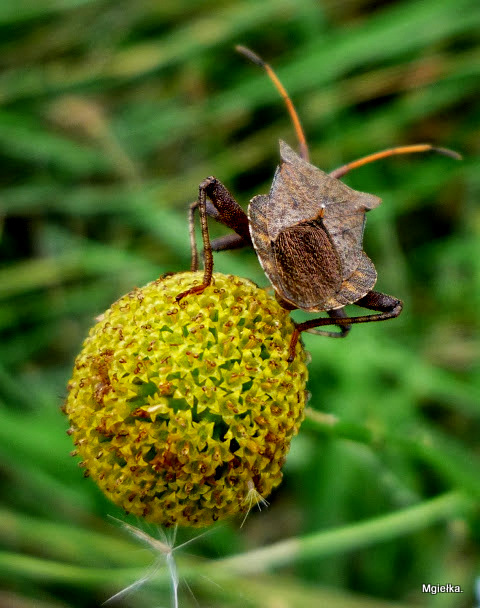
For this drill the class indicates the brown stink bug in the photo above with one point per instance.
(307, 233)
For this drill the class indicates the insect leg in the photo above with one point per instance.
(191, 232)
(339, 313)
(207, 249)
(223, 208)
(211, 212)
(229, 241)
(341, 171)
(387, 307)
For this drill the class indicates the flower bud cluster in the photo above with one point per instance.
(179, 409)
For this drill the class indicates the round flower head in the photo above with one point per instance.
(183, 412)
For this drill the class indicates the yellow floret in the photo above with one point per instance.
(180, 409)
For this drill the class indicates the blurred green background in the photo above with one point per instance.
(111, 113)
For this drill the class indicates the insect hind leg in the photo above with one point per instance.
(339, 313)
(387, 307)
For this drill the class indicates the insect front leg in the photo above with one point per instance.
(387, 307)
(215, 200)
(208, 258)
(211, 212)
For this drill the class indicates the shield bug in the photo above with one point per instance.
(307, 233)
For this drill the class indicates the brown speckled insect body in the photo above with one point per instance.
(307, 233)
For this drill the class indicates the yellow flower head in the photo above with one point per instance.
(180, 410)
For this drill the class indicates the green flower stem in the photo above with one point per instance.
(446, 456)
(348, 538)
(321, 544)
(58, 540)
(254, 593)
(50, 571)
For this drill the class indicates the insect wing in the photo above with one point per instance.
(308, 268)
(294, 196)
(301, 192)
(258, 221)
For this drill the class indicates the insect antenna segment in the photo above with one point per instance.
(257, 60)
(344, 169)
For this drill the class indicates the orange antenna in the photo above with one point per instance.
(280, 88)
(341, 171)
